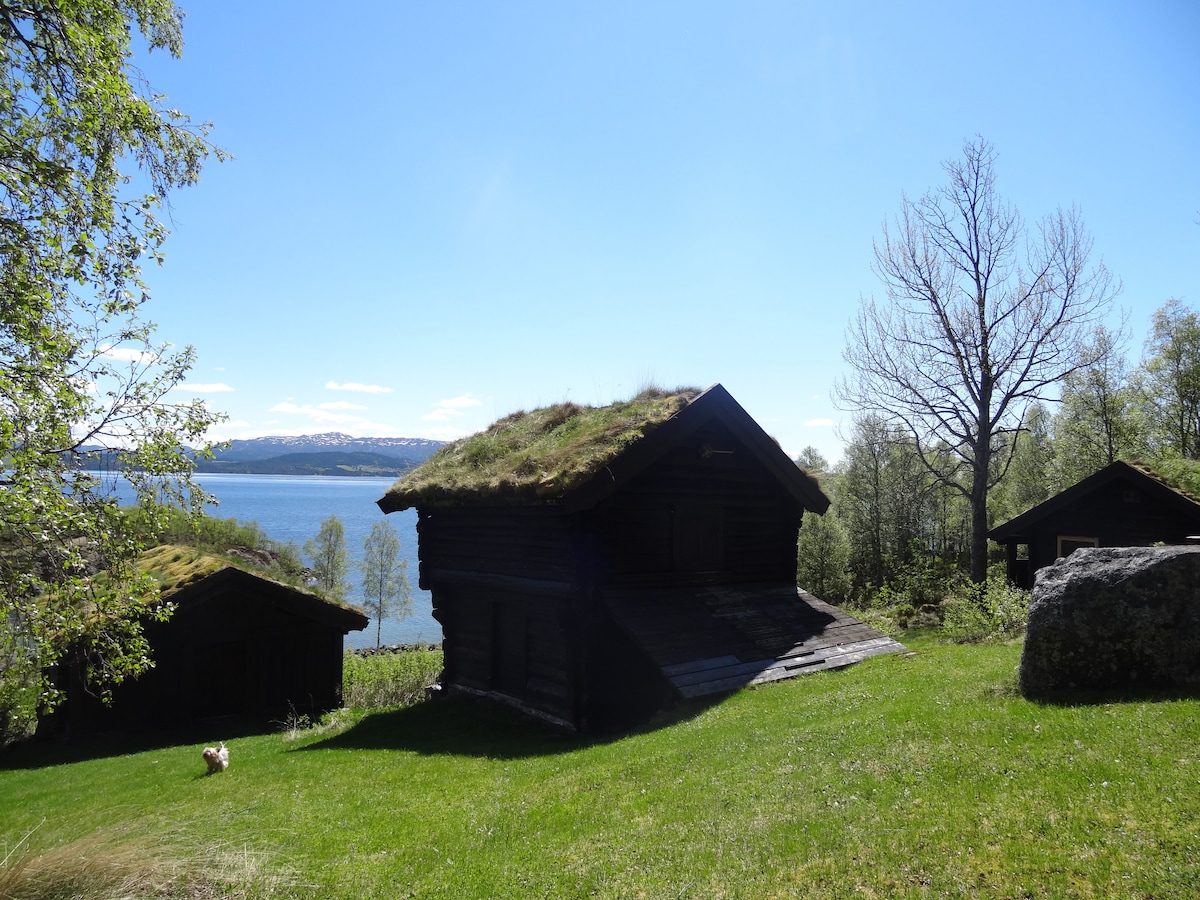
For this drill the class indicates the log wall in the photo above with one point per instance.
(705, 513)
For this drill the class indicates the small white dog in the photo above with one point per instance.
(217, 758)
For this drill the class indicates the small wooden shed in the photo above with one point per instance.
(1122, 505)
(238, 645)
(595, 565)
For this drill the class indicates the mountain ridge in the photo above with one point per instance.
(331, 453)
(249, 449)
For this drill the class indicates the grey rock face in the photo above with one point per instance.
(1119, 617)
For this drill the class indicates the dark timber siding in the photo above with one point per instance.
(705, 499)
(1119, 506)
(237, 645)
(517, 542)
(704, 513)
(1117, 515)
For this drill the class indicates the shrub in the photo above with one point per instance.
(997, 612)
(20, 684)
(386, 680)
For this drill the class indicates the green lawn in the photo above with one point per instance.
(919, 775)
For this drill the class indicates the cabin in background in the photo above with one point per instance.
(238, 646)
(1120, 506)
(595, 565)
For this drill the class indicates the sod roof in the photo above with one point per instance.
(178, 566)
(555, 454)
(537, 456)
(174, 567)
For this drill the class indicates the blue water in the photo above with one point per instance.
(291, 508)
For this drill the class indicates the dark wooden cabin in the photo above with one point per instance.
(237, 646)
(1120, 506)
(594, 566)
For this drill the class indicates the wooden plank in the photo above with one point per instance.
(735, 624)
(745, 672)
(835, 658)
(698, 665)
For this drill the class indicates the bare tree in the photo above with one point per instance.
(983, 317)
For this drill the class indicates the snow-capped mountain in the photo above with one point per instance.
(413, 450)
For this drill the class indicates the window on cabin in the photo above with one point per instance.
(1022, 551)
(1069, 543)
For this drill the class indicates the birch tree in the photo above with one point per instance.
(89, 154)
(330, 559)
(386, 591)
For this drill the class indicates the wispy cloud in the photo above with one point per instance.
(358, 387)
(217, 388)
(317, 414)
(304, 418)
(129, 354)
(444, 410)
(340, 404)
(818, 423)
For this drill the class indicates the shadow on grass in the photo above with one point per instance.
(38, 753)
(1116, 696)
(459, 725)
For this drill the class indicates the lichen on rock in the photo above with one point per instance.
(1114, 618)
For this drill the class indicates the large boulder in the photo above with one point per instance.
(1119, 617)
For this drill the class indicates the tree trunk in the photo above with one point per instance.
(980, 474)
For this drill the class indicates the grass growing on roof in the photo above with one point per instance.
(538, 455)
(175, 567)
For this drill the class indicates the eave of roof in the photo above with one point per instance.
(1145, 478)
(184, 572)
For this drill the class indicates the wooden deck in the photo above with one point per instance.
(710, 640)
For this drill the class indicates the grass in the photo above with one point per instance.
(921, 775)
(100, 866)
(378, 681)
(538, 455)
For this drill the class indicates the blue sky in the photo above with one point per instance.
(439, 213)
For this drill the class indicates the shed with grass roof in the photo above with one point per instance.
(1122, 505)
(593, 565)
(238, 645)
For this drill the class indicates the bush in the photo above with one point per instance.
(170, 525)
(387, 680)
(20, 685)
(998, 612)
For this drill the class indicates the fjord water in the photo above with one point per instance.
(291, 508)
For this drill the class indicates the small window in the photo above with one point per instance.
(1022, 551)
(1068, 543)
(1131, 496)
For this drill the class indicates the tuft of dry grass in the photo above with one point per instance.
(536, 456)
(101, 866)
